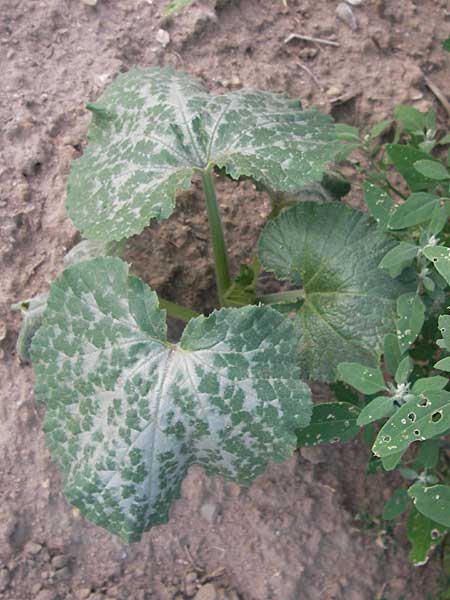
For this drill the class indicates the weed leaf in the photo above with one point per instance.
(330, 422)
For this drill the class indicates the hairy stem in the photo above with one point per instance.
(221, 263)
(177, 311)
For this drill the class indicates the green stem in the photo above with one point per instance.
(282, 297)
(221, 263)
(177, 311)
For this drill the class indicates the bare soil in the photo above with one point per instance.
(302, 530)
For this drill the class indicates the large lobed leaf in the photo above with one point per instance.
(128, 412)
(152, 128)
(334, 252)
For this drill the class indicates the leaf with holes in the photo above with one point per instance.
(153, 128)
(364, 379)
(432, 501)
(444, 328)
(440, 257)
(349, 303)
(379, 203)
(330, 422)
(411, 313)
(424, 535)
(420, 418)
(128, 412)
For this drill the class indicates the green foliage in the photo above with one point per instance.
(333, 252)
(153, 128)
(424, 535)
(432, 501)
(176, 5)
(128, 412)
(331, 422)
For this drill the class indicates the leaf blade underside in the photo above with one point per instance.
(127, 412)
(332, 250)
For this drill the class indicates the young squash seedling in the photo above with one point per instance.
(127, 411)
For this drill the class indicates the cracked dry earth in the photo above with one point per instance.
(294, 534)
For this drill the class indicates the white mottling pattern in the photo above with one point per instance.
(128, 412)
(151, 128)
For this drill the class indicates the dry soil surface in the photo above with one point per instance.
(294, 534)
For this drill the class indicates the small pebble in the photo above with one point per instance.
(5, 578)
(163, 37)
(32, 548)
(206, 592)
(345, 14)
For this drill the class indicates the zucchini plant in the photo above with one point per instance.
(127, 411)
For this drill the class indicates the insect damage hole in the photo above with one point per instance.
(412, 417)
(436, 417)
(416, 432)
(434, 534)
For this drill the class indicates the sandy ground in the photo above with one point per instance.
(295, 533)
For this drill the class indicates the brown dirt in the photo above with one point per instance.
(292, 534)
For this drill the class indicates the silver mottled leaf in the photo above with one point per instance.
(128, 412)
(334, 252)
(152, 128)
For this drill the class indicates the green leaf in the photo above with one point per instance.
(424, 535)
(443, 364)
(428, 454)
(446, 139)
(334, 251)
(330, 422)
(444, 328)
(379, 203)
(391, 353)
(446, 44)
(420, 418)
(175, 6)
(391, 462)
(440, 256)
(362, 378)
(403, 157)
(33, 308)
(411, 312)
(347, 133)
(400, 257)
(153, 128)
(439, 217)
(396, 505)
(429, 383)
(433, 502)
(432, 169)
(413, 120)
(379, 128)
(32, 313)
(87, 249)
(417, 209)
(404, 370)
(128, 412)
(380, 407)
